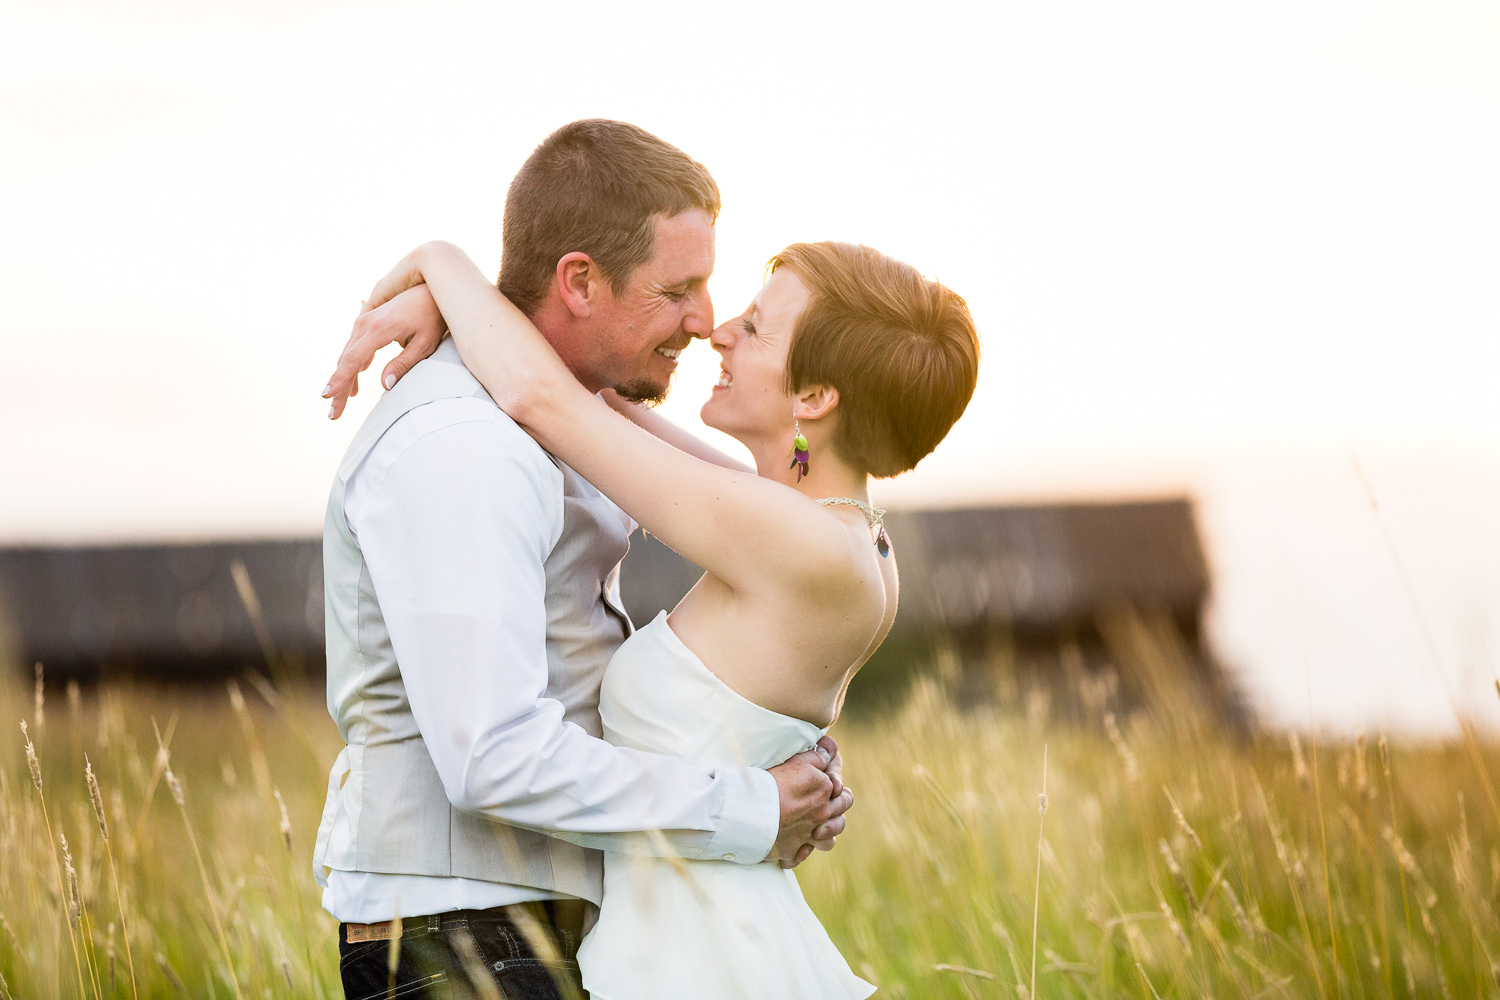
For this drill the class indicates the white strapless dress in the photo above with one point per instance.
(705, 930)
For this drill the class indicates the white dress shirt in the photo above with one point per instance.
(456, 510)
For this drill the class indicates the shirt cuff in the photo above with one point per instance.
(750, 819)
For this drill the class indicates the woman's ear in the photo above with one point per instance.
(578, 283)
(814, 402)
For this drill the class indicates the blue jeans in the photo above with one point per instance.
(448, 956)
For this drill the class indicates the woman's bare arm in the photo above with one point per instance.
(740, 527)
(657, 425)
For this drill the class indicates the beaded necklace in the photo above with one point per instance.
(874, 515)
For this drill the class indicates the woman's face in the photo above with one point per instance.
(750, 401)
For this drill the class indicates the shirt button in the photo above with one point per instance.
(729, 856)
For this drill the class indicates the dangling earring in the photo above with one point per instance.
(799, 452)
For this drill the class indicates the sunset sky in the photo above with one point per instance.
(1217, 249)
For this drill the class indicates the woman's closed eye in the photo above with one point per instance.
(749, 326)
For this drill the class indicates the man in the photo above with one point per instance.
(471, 587)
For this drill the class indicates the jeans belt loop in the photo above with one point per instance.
(434, 923)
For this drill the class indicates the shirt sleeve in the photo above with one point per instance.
(455, 521)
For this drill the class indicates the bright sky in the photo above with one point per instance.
(1205, 243)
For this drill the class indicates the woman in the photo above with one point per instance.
(847, 364)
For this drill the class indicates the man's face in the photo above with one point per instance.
(664, 305)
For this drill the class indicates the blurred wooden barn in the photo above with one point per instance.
(1096, 603)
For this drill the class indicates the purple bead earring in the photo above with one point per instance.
(799, 452)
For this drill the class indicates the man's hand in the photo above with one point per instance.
(410, 319)
(813, 803)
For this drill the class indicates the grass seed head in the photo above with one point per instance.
(94, 797)
(1127, 756)
(1176, 926)
(1182, 820)
(172, 976)
(286, 822)
(39, 703)
(75, 907)
(1299, 763)
(31, 761)
(174, 785)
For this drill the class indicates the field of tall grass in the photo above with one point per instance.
(1167, 856)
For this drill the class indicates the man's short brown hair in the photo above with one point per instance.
(594, 186)
(900, 349)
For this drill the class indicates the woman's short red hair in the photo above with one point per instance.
(901, 350)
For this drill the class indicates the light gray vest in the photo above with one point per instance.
(397, 818)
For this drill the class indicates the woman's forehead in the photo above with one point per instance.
(782, 297)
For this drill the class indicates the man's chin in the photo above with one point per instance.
(644, 391)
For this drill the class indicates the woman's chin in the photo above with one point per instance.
(708, 413)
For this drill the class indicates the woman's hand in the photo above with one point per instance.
(408, 316)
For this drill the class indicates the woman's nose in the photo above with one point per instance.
(722, 337)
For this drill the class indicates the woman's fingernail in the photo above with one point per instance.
(331, 410)
(390, 380)
(327, 390)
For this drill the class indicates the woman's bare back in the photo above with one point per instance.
(785, 648)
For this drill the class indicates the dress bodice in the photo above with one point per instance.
(657, 696)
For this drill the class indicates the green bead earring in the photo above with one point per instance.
(799, 452)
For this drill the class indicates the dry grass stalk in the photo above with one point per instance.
(97, 799)
(172, 976)
(1036, 902)
(1182, 820)
(258, 766)
(286, 822)
(964, 970)
(213, 906)
(76, 913)
(35, 767)
(474, 968)
(251, 601)
(393, 951)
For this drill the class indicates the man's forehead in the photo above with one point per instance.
(684, 247)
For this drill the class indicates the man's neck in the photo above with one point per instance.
(568, 338)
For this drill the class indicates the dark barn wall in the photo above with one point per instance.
(167, 610)
(1030, 589)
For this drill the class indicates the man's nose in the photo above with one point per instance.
(699, 321)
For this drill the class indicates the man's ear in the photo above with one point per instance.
(578, 283)
(814, 402)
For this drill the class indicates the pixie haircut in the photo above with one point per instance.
(900, 349)
(597, 187)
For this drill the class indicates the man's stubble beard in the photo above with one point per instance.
(644, 391)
